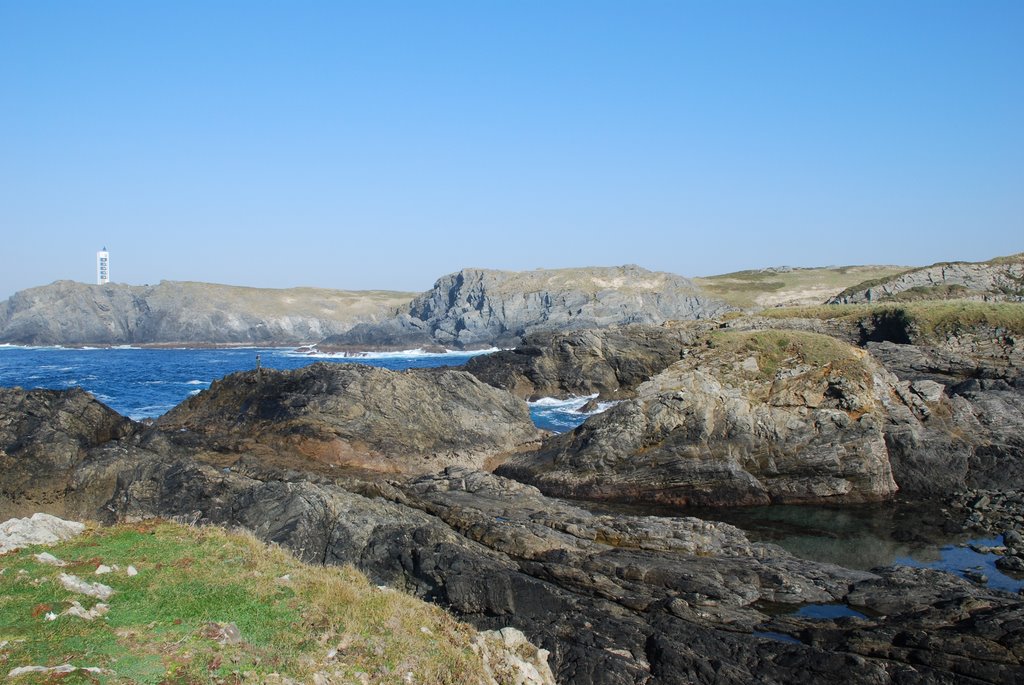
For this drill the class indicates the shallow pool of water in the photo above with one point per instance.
(861, 536)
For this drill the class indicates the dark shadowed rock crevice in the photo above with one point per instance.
(611, 362)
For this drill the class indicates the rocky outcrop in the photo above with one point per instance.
(998, 279)
(69, 313)
(753, 418)
(482, 307)
(611, 362)
(44, 436)
(358, 416)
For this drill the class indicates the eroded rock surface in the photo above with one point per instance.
(44, 434)
(999, 279)
(754, 418)
(355, 415)
(484, 307)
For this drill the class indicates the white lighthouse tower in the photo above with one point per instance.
(102, 267)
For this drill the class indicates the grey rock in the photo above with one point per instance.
(482, 307)
(66, 313)
(44, 434)
(613, 598)
(1001, 279)
(709, 430)
(38, 529)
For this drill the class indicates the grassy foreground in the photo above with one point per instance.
(170, 623)
(774, 349)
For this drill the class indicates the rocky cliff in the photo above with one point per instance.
(1000, 279)
(68, 313)
(353, 415)
(480, 307)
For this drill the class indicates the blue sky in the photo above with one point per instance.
(383, 144)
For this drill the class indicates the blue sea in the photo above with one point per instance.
(146, 382)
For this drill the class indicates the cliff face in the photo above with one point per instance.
(479, 307)
(999, 279)
(182, 312)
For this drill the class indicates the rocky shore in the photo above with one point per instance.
(613, 598)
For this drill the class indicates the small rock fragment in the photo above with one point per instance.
(49, 559)
(76, 584)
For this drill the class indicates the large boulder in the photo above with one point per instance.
(359, 416)
(484, 307)
(44, 435)
(749, 418)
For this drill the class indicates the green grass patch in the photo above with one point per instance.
(775, 349)
(162, 624)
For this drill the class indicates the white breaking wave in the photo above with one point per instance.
(313, 353)
(573, 404)
(195, 382)
(564, 414)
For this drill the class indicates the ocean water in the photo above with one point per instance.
(146, 382)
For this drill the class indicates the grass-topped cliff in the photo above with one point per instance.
(209, 606)
(69, 313)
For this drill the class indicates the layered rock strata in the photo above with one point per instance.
(753, 418)
(483, 307)
(615, 599)
(999, 279)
